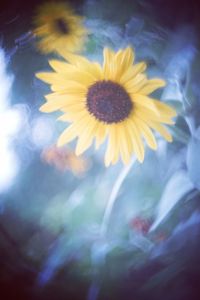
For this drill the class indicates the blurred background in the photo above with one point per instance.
(52, 203)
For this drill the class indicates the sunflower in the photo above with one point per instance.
(107, 102)
(57, 27)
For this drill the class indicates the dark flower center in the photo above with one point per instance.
(108, 101)
(61, 26)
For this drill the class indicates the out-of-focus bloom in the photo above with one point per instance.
(110, 101)
(140, 225)
(160, 236)
(57, 27)
(65, 159)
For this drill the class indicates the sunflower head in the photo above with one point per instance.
(58, 27)
(107, 102)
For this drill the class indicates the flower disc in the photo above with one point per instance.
(61, 26)
(108, 102)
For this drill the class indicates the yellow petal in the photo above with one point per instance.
(86, 137)
(151, 86)
(80, 77)
(124, 144)
(145, 102)
(134, 86)
(93, 68)
(65, 118)
(50, 77)
(108, 71)
(69, 87)
(128, 57)
(165, 109)
(96, 70)
(46, 45)
(147, 114)
(51, 106)
(69, 98)
(73, 59)
(147, 133)
(161, 129)
(56, 101)
(124, 59)
(115, 156)
(132, 72)
(74, 130)
(136, 139)
(73, 73)
(74, 108)
(100, 134)
(67, 136)
(61, 67)
(77, 80)
(112, 147)
(74, 116)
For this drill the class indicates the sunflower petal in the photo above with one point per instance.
(108, 63)
(165, 109)
(50, 77)
(67, 136)
(161, 129)
(124, 59)
(145, 102)
(65, 118)
(69, 87)
(51, 106)
(65, 97)
(100, 134)
(73, 59)
(125, 144)
(112, 147)
(132, 72)
(151, 86)
(143, 113)
(136, 139)
(134, 86)
(61, 67)
(147, 133)
(73, 73)
(86, 137)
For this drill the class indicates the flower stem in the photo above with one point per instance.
(113, 196)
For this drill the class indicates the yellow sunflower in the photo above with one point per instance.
(57, 27)
(107, 102)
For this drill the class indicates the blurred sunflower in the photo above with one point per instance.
(57, 27)
(110, 101)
